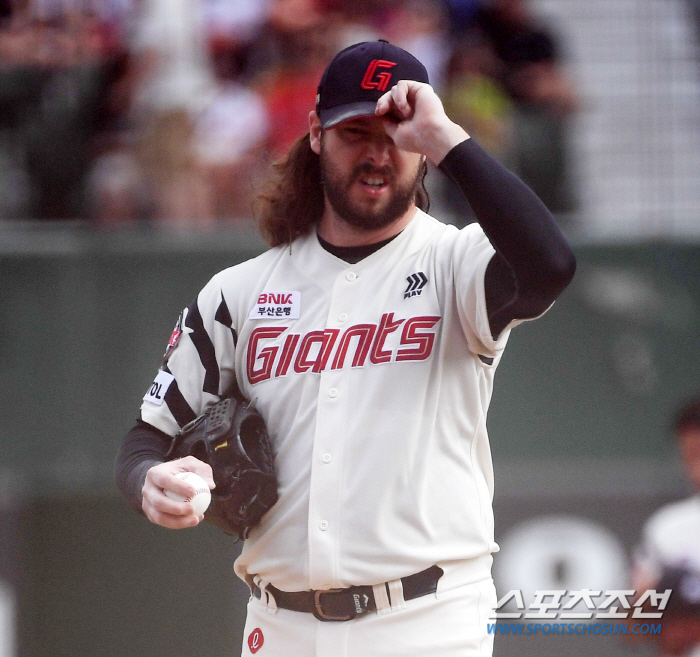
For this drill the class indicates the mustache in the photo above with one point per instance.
(365, 168)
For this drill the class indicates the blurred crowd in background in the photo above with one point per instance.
(170, 111)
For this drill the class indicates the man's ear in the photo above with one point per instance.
(315, 132)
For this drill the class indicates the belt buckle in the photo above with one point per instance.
(318, 607)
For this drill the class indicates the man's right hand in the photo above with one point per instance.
(160, 509)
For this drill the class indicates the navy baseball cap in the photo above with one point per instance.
(359, 76)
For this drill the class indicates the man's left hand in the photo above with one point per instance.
(415, 119)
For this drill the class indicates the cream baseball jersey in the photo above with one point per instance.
(671, 538)
(374, 379)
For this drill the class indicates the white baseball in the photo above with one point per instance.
(202, 497)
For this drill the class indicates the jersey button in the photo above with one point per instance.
(333, 392)
(327, 458)
(343, 317)
(351, 276)
(323, 525)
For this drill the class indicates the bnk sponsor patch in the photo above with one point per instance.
(277, 305)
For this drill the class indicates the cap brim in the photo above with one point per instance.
(334, 115)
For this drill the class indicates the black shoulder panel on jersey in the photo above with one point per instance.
(223, 316)
(178, 405)
(205, 348)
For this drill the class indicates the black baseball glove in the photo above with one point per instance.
(232, 438)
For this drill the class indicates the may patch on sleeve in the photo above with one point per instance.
(277, 305)
(156, 393)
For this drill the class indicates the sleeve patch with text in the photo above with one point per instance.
(156, 393)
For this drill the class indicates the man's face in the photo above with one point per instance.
(689, 441)
(368, 182)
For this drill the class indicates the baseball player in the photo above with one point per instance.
(367, 337)
(668, 556)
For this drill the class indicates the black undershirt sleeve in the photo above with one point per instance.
(143, 447)
(533, 261)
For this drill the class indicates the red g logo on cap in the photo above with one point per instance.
(255, 640)
(382, 80)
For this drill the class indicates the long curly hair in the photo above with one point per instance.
(292, 201)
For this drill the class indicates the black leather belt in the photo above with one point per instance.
(346, 604)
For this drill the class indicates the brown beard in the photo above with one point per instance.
(336, 188)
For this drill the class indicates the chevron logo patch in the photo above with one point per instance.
(416, 283)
